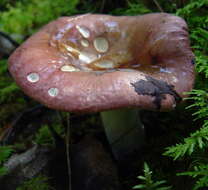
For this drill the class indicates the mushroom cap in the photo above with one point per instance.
(91, 63)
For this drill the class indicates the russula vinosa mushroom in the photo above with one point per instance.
(91, 63)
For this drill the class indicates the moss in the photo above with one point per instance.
(11, 97)
(37, 183)
(133, 8)
(21, 18)
(25, 17)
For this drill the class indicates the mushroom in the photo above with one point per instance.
(108, 64)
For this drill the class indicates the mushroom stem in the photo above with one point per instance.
(124, 131)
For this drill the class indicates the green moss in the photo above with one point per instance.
(44, 136)
(133, 8)
(25, 17)
(11, 97)
(5, 153)
(37, 183)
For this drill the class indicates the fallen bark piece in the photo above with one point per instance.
(92, 167)
(25, 166)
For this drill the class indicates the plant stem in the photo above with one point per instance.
(68, 138)
(158, 5)
(124, 131)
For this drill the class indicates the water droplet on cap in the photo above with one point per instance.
(107, 64)
(101, 44)
(165, 70)
(69, 68)
(84, 43)
(174, 105)
(53, 92)
(83, 31)
(87, 57)
(174, 79)
(33, 77)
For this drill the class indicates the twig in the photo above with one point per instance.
(16, 44)
(68, 138)
(102, 6)
(22, 119)
(158, 6)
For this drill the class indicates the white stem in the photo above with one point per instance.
(124, 131)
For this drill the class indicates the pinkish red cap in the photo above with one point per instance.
(93, 63)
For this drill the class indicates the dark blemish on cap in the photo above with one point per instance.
(156, 88)
(193, 61)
